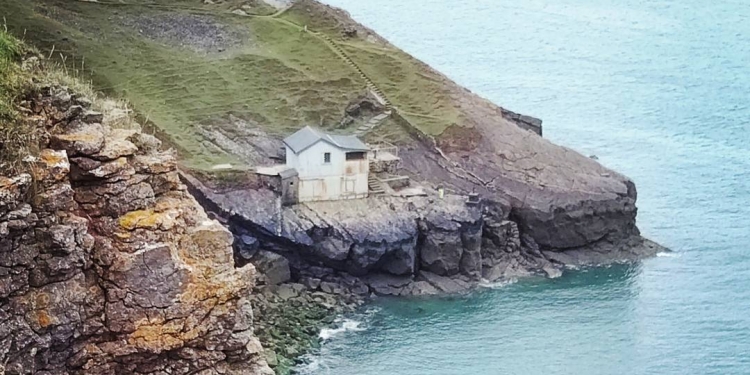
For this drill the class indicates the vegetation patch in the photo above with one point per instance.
(17, 137)
(12, 81)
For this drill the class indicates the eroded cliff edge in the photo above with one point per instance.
(107, 264)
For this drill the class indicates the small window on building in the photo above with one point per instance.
(327, 157)
(355, 156)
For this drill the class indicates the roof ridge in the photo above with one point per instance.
(298, 143)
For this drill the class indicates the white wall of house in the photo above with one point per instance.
(321, 181)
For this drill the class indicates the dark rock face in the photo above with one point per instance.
(415, 246)
(273, 267)
(582, 223)
(525, 122)
(111, 267)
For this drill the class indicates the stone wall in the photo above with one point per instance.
(108, 265)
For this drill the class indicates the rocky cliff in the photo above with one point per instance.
(108, 265)
(394, 245)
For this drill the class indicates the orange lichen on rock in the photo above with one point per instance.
(79, 137)
(148, 219)
(157, 337)
(52, 157)
(43, 318)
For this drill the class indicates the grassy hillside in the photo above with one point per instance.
(186, 66)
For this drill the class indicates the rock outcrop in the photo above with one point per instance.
(395, 246)
(108, 265)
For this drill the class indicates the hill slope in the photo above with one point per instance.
(186, 66)
(211, 77)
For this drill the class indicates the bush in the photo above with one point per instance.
(10, 47)
(11, 78)
(16, 136)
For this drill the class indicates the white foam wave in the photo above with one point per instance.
(668, 255)
(346, 326)
(312, 365)
(484, 283)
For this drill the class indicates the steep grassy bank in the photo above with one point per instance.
(186, 66)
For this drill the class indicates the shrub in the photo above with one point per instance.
(16, 136)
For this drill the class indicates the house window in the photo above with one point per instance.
(355, 156)
(327, 157)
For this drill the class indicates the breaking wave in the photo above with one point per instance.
(345, 325)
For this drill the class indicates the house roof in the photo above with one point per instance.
(308, 136)
(274, 170)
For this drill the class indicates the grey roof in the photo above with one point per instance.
(291, 172)
(308, 136)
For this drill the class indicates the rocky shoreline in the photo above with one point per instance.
(321, 260)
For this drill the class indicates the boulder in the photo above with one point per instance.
(508, 269)
(115, 148)
(445, 284)
(388, 285)
(274, 267)
(332, 288)
(247, 247)
(85, 141)
(420, 288)
(145, 143)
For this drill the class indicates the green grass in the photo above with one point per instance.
(17, 137)
(11, 78)
(417, 91)
(277, 77)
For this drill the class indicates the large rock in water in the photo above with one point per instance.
(112, 268)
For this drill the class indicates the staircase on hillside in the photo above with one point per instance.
(370, 84)
(376, 187)
(372, 123)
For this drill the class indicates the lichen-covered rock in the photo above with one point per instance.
(108, 266)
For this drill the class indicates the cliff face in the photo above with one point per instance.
(393, 245)
(108, 265)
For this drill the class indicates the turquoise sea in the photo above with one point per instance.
(657, 89)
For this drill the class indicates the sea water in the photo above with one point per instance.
(657, 89)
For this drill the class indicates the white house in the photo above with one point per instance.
(329, 167)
